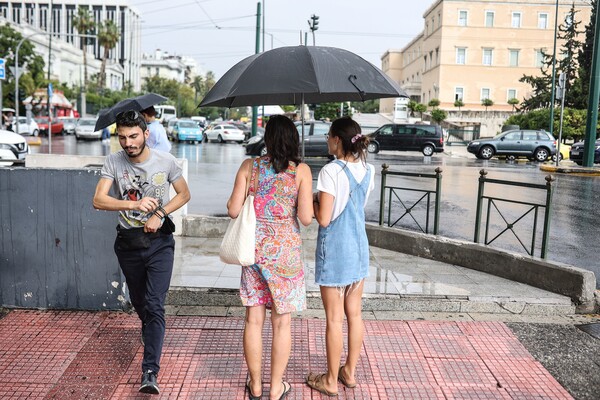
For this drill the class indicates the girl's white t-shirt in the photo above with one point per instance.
(333, 180)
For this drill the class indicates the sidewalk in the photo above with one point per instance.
(77, 355)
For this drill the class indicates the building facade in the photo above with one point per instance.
(478, 49)
(49, 26)
(168, 66)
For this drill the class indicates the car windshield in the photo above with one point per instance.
(67, 120)
(188, 124)
(41, 119)
(228, 127)
(87, 122)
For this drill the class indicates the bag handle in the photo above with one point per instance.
(251, 180)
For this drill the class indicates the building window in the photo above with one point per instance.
(459, 93)
(461, 55)
(44, 17)
(489, 19)
(485, 93)
(157, 71)
(462, 17)
(437, 56)
(4, 10)
(488, 55)
(425, 62)
(543, 21)
(56, 13)
(516, 20)
(513, 56)
(539, 58)
(511, 94)
(426, 29)
(30, 13)
(16, 13)
(70, 29)
(439, 19)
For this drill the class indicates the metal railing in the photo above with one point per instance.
(408, 209)
(509, 226)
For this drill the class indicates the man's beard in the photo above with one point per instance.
(140, 152)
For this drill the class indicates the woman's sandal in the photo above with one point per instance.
(342, 379)
(250, 395)
(285, 391)
(316, 383)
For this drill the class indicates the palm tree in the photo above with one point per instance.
(108, 37)
(84, 23)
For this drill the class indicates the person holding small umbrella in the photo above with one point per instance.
(342, 255)
(141, 178)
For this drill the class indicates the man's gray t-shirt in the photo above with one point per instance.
(132, 181)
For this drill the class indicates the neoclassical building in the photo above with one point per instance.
(477, 49)
(35, 20)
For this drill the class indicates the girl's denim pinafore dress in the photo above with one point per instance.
(342, 256)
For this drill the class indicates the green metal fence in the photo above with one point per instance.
(395, 192)
(533, 207)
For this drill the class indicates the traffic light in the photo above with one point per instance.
(315, 22)
(347, 110)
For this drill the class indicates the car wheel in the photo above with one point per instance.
(35, 132)
(373, 148)
(428, 150)
(62, 132)
(263, 151)
(220, 139)
(240, 141)
(560, 157)
(541, 154)
(486, 152)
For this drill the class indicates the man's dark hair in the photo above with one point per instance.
(281, 139)
(130, 119)
(150, 111)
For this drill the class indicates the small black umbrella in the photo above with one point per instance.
(298, 75)
(139, 103)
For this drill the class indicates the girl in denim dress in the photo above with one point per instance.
(342, 256)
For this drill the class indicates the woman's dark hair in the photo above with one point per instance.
(351, 137)
(281, 139)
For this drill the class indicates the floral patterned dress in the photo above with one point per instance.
(277, 278)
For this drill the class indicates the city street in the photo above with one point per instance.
(574, 220)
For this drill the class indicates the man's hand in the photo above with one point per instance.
(146, 204)
(153, 224)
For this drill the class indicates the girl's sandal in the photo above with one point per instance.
(342, 379)
(250, 395)
(316, 382)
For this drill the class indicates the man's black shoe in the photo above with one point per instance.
(149, 383)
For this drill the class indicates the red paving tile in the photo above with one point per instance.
(98, 356)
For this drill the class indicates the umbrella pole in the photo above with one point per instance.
(302, 119)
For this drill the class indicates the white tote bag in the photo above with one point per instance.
(239, 242)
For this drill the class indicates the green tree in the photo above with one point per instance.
(459, 103)
(420, 108)
(29, 59)
(487, 103)
(438, 116)
(574, 121)
(84, 24)
(513, 102)
(434, 103)
(108, 37)
(327, 110)
(584, 60)
(367, 107)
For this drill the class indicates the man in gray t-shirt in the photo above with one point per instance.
(141, 178)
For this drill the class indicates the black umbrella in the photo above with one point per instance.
(298, 75)
(139, 103)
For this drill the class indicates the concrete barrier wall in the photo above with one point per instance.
(577, 283)
(56, 250)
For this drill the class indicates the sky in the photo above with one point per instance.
(219, 33)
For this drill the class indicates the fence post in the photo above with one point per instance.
(482, 175)
(438, 191)
(549, 180)
(384, 171)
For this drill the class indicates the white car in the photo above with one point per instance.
(25, 128)
(69, 124)
(12, 147)
(85, 129)
(224, 133)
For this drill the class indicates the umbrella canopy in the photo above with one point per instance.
(139, 103)
(298, 75)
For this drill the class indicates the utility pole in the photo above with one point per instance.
(49, 61)
(592, 113)
(553, 72)
(314, 26)
(257, 50)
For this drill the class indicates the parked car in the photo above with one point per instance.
(564, 152)
(57, 125)
(536, 145)
(25, 128)
(186, 130)
(577, 149)
(427, 139)
(69, 124)
(12, 147)
(85, 129)
(224, 133)
(315, 140)
(169, 128)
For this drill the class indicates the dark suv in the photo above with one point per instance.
(315, 140)
(427, 139)
(577, 149)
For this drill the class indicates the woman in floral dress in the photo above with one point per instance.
(282, 187)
